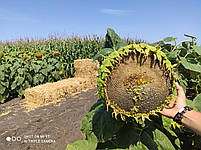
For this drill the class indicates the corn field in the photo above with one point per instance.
(27, 63)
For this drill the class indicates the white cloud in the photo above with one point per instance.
(115, 12)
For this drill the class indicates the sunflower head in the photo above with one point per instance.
(1, 54)
(136, 81)
(56, 54)
(21, 52)
(25, 56)
(39, 55)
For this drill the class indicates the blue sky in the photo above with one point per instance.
(150, 20)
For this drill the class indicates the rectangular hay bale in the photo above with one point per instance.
(53, 92)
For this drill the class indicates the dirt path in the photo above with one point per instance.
(50, 127)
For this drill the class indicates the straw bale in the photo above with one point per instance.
(86, 68)
(85, 78)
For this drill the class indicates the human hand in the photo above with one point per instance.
(179, 102)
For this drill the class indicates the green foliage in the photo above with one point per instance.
(112, 42)
(18, 74)
(190, 36)
(102, 122)
(116, 134)
(196, 104)
(25, 64)
(82, 145)
(103, 52)
(102, 131)
(186, 59)
(86, 125)
(87, 131)
(169, 39)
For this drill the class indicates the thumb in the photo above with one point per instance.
(180, 91)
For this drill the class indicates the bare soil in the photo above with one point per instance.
(49, 127)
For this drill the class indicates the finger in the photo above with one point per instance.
(171, 105)
(174, 100)
(165, 112)
(180, 91)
